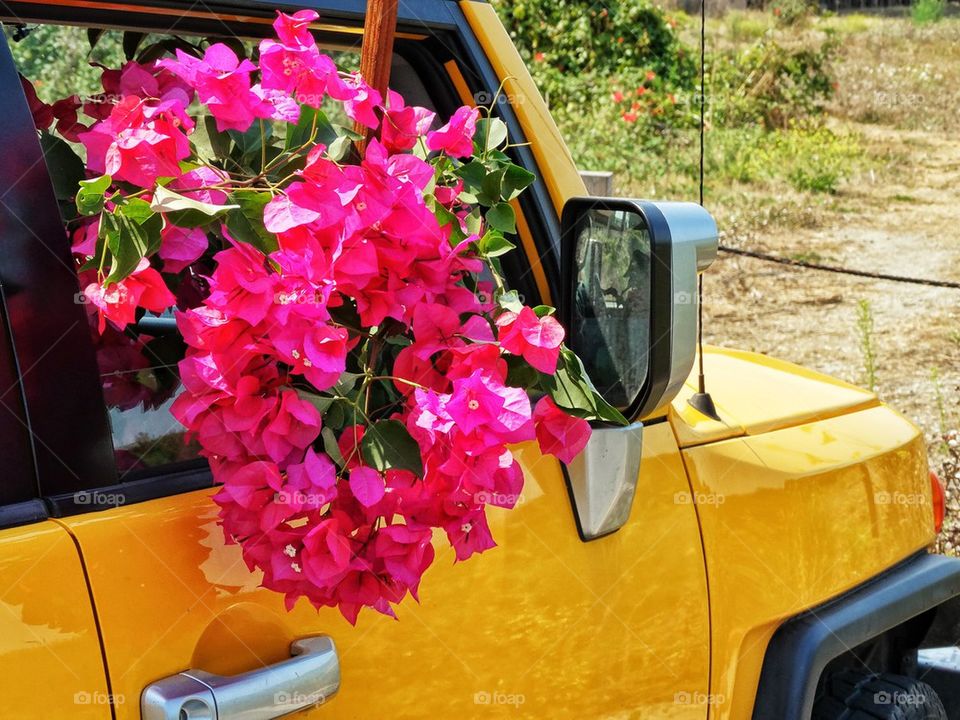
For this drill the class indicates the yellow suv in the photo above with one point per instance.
(769, 564)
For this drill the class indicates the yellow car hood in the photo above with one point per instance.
(755, 394)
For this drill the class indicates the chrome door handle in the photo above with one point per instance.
(310, 677)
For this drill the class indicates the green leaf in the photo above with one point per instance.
(515, 180)
(490, 187)
(572, 368)
(570, 392)
(186, 212)
(501, 217)
(63, 164)
(90, 196)
(445, 217)
(166, 46)
(510, 300)
(387, 445)
(131, 233)
(606, 411)
(321, 402)
(474, 221)
(472, 174)
(347, 382)
(544, 310)
(494, 244)
(245, 220)
(339, 148)
(219, 141)
(330, 445)
(299, 134)
(520, 373)
(493, 130)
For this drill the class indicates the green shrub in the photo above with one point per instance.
(927, 11)
(771, 83)
(563, 40)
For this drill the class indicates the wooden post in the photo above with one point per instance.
(376, 53)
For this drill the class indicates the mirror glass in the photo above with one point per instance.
(610, 318)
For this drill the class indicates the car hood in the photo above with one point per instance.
(755, 394)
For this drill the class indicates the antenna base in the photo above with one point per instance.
(703, 403)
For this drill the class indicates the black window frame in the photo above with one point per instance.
(62, 393)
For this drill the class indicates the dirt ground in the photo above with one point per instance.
(905, 220)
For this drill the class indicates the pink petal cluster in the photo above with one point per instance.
(119, 301)
(365, 283)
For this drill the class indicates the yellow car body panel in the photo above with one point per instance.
(794, 517)
(50, 658)
(544, 625)
(755, 394)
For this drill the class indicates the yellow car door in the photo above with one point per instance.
(544, 625)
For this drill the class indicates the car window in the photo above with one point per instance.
(138, 365)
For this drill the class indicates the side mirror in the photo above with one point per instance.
(629, 301)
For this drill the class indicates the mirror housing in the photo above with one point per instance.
(683, 242)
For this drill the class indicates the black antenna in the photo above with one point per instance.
(701, 400)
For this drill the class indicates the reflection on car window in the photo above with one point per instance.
(138, 369)
(611, 315)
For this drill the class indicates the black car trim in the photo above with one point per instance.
(801, 648)
(22, 513)
(130, 493)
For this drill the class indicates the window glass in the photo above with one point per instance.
(611, 311)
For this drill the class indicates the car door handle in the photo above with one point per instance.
(310, 677)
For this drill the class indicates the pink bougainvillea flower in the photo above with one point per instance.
(179, 247)
(223, 84)
(403, 124)
(283, 108)
(295, 425)
(406, 552)
(559, 433)
(469, 534)
(68, 124)
(456, 137)
(367, 485)
(138, 142)
(536, 339)
(118, 301)
(362, 106)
